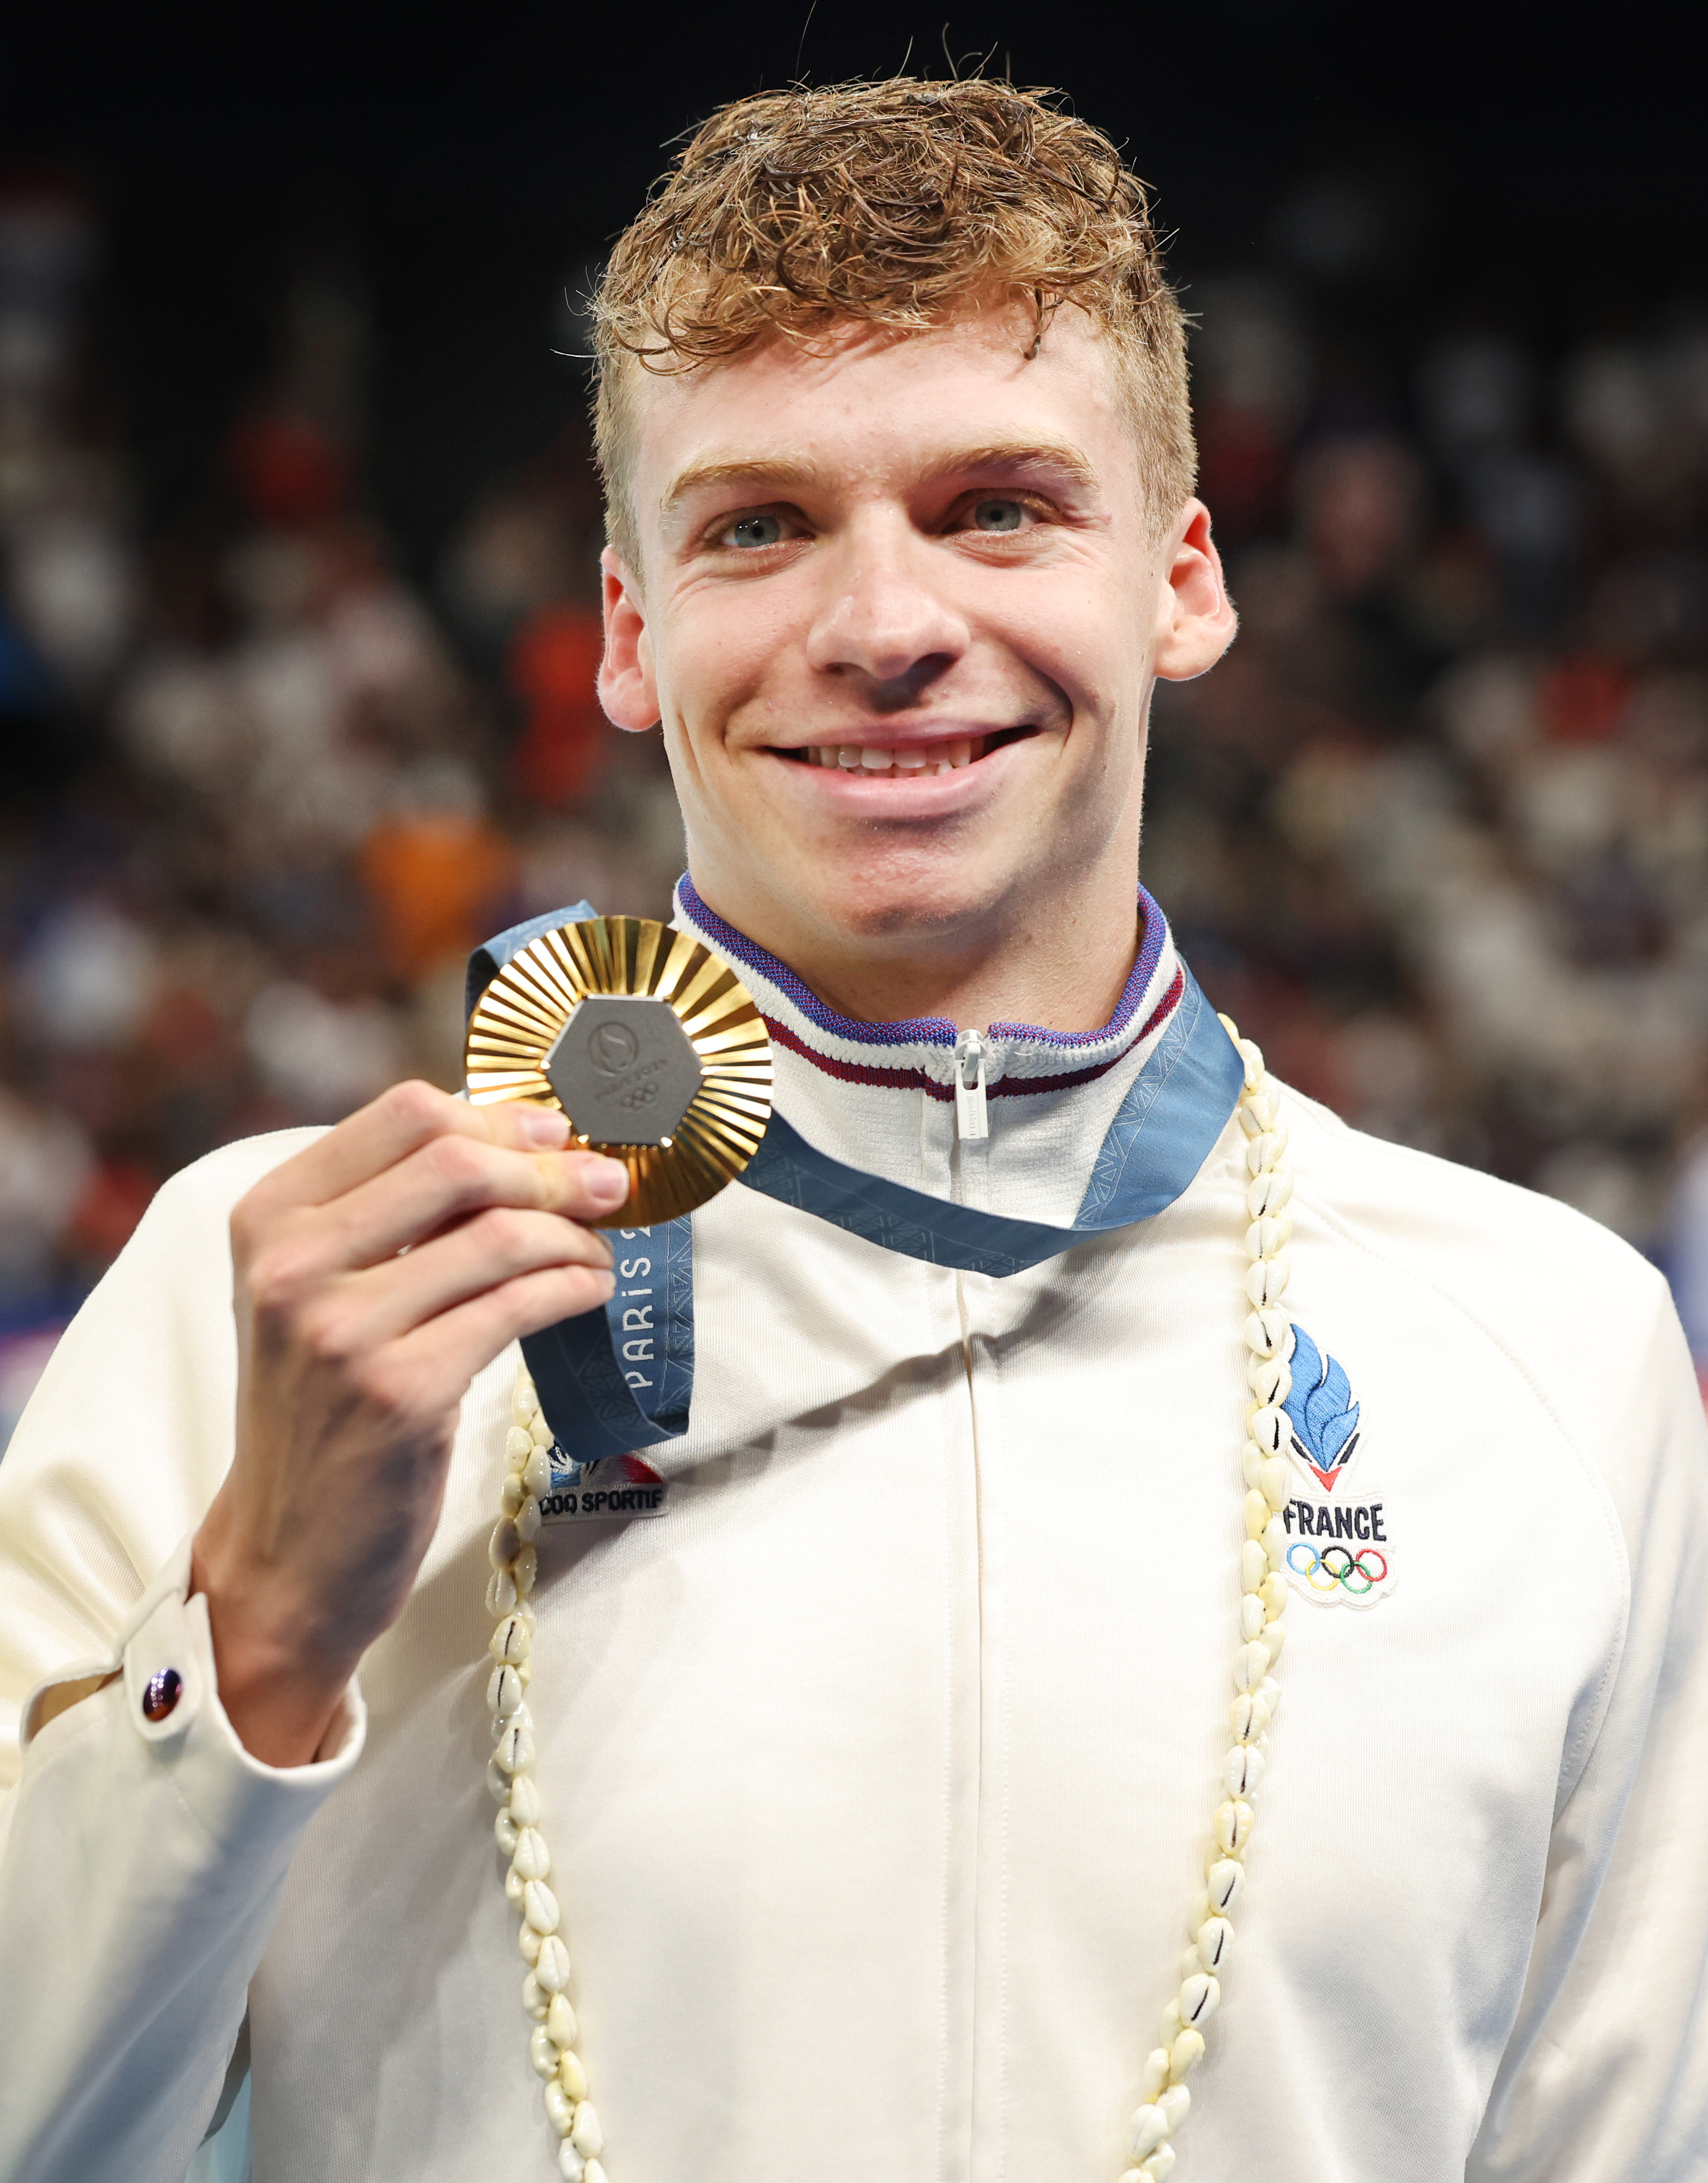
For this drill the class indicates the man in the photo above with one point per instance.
(881, 1773)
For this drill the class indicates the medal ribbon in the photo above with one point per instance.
(608, 1389)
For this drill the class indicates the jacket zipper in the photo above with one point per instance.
(971, 1116)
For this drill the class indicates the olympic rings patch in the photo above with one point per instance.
(1338, 1565)
(1338, 1553)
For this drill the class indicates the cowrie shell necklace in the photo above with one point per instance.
(1165, 2099)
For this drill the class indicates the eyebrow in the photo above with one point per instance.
(787, 473)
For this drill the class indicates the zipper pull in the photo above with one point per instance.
(972, 1118)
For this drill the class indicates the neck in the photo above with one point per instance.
(1061, 968)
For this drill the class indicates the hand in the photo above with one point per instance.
(375, 1274)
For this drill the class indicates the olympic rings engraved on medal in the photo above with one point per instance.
(1353, 1566)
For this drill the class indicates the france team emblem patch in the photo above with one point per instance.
(1320, 1411)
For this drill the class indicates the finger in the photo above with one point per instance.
(391, 1127)
(450, 1180)
(381, 1303)
(446, 1352)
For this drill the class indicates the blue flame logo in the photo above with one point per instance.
(1321, 1410)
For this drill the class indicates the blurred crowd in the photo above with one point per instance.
(1436, 832)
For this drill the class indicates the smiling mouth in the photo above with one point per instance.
(910, 758)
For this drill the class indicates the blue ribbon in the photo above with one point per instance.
(609, 1388)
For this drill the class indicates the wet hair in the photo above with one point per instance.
(795, 214)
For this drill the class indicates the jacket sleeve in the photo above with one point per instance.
(144, 1849)
(1605, 2076)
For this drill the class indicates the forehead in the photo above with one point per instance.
(872, 407)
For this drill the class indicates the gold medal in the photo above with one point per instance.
(651, 1046)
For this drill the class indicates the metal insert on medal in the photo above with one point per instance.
(651, 1045)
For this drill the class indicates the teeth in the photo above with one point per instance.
(876, 757)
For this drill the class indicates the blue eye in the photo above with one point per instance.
(754, 530)
(997, 515)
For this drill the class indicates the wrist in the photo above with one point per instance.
(279, 1688)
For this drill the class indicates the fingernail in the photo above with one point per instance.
(607, 1181)
(544, 1126)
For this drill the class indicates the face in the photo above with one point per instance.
(900, 611)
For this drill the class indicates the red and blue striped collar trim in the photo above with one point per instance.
(1121, 1033)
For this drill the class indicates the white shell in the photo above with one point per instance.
(1160, 2166)
(1198, 1996)
(518, 1443)
(515, 1751)
(1215, 1939)
(507, 1832)
(524, 1568)
(1274, 1637)
(552, 1970)
(560, 2109)
(1171, 2024)
(1252, 1615)
(593, 2173)
(1271, 1429)
(1266, 1195)
(1254, 1566)
(529, 1941)
(512, 1641)
(1275, 1542)
(1232, 1832)
(1267, 1238)
(1155, 2073)
(572, 2076)
(1225, 1876)
(1250, 1665)
(537, 1476)
(1269, 1378)
(497, 1781)
(1257, 1515)
(512, 1494)
(1186, 2053)
(1242, 1770)
(1247, 1717)
(1266, 1332)
(540, 1907)
(540, 1430)
(525, 1801)
(588, 2137)
(1266, 1281)
(1175, 2103)
(1272, 1591)
(1146, 2131)
(542, 2052)
(503, 1692)
(530, 1859)
(1264, 1150)
(1276, 1483)
(533, 1998)
(1252, 1055)
(527, 1518)
(513, 1888)
(570, 2165)
(560, 2020)
(505, 1543)
(501, 1592)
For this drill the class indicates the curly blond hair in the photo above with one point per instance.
(792, 213)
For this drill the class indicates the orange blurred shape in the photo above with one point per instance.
(430, 877)
(114, 1199)
(1582, 699)
(553, 663)
(287, 468)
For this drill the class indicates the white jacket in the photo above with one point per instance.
(877, 1771)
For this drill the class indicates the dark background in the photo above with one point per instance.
(1437, 832)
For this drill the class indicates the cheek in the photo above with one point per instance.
(721, 650)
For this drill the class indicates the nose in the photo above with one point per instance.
(883, 618)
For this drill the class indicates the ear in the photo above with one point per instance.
(1196, 617)
(628, 687)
